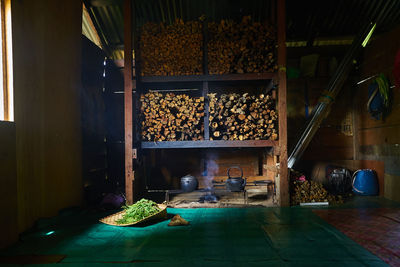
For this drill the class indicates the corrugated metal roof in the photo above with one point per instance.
(306, 19)
(309, 19)
(88, 28)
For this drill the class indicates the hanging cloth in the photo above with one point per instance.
(378, 97)
(375, 101)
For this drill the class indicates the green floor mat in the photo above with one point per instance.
(215, 237)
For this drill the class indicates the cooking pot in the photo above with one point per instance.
(235, 184)
(188, 183)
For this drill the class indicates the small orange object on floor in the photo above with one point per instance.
(177, 220)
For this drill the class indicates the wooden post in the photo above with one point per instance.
(205, 83)
(283, 170)
(206, 111)
(128, 101)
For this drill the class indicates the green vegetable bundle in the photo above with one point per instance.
(138, 211)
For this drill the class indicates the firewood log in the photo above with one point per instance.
(240, 117)
(171, 49)
(170, 117)
(241, 47)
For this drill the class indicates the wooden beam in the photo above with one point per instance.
(283, 170)
(128, 101)
(208, 144)
(210, 78)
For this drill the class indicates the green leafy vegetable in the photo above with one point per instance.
(138, 211)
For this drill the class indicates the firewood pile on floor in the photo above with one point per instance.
(304, 191)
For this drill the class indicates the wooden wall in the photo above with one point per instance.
(47, 62)
(8, 188)
(373, 144)
(380, 139)
(332, 141)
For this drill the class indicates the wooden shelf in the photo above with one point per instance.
(210, 78)
(204, 82)
(208, 144)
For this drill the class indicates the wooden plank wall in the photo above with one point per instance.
(47, 80)
(330, 142)
(333, 141)
(380, 139)
(374, 144)
(8, 188)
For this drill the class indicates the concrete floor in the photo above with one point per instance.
(215, 237)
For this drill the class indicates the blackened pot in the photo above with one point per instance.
(235, 184)
(189, 183)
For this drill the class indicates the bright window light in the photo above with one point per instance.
(6, 65)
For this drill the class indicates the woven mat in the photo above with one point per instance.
(377, 230)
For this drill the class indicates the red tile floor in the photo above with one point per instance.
(376, 229)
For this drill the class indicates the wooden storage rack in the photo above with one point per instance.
(133, 142)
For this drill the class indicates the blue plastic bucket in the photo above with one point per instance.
(365, 183)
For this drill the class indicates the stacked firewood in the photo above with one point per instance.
(245, 47)
(170, 117)
(242, 117)
(171, 49)
(312, 191)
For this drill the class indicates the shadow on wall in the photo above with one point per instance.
(8, 188)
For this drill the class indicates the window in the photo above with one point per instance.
(6, 68)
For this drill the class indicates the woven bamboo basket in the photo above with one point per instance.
(112, 219)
